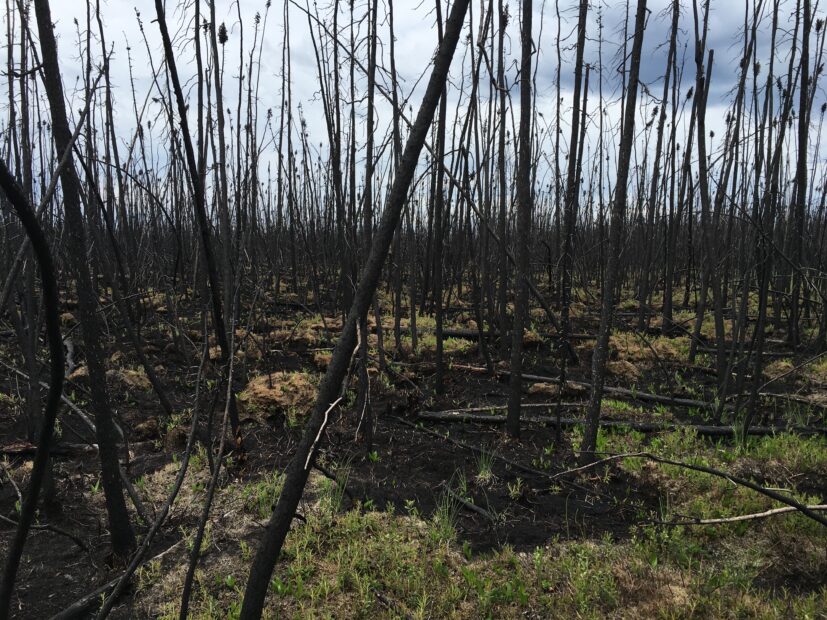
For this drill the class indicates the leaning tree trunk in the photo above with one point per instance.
(327, 396)
(40, 246)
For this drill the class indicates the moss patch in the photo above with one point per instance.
(279, 392)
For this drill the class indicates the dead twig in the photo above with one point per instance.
(771, 493)
(750, 517)
(49, 528)
(469, 505)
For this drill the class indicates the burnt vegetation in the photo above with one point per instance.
(301, 317)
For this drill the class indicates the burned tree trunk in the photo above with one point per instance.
(197, 189)
(17, 197)
(601, 351)
(799, 208)
(122, 536)
(571, 198)
(327, 396)
(524, 209)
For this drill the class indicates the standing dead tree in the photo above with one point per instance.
(525, 201)
(196, 186)
(571, 198)
(17, 197)
(326, 398)
(601, 350)
(122, 536)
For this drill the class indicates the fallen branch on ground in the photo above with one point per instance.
(471, 415)
(658, 398)
(484, 409)
(24, 448)
(750, 517)
(335, 479)
(46, 527)
(127, 483)
(771, 493)
(634, 394)
(476, 450)
(65, 400)
(469, 505)
(473, 334)
(81, 606)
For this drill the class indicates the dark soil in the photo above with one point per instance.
(407, 468)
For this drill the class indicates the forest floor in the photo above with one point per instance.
(438, 518)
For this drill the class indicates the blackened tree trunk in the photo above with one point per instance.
(197, 188)
(601, 350)
(654, 187)
(365, 408)
(122, 536)
(223, 195)
(502, 187)
(703, 179)
(299, 468)
(40, 246)
(524, 209)
(793, 334)
(439, 224)
(571, 198)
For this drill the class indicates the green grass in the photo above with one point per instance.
(260, 497)
(336, 568)
(364, 563)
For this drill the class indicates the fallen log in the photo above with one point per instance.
(793, 398)
(24, 448)
(481, 451)
(469, 505)
(634, 394)
(646, 396)
(706, 430)
(772, 354)
(473, 334)
(47, 527)
(488, 408)
(668, 400)
(808, 511)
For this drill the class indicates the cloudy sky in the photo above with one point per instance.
(415, 42)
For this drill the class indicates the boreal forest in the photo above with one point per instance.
(413, 309)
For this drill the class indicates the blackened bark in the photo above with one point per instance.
(40, 246)
(122, 536)
(524, 208)
(197, 188)
(571, 204)
(299, 468)
(601, 350)
(793, 334)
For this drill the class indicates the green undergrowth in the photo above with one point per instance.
(426, 343)
(369, 563)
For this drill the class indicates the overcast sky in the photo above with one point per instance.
(415, 43)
